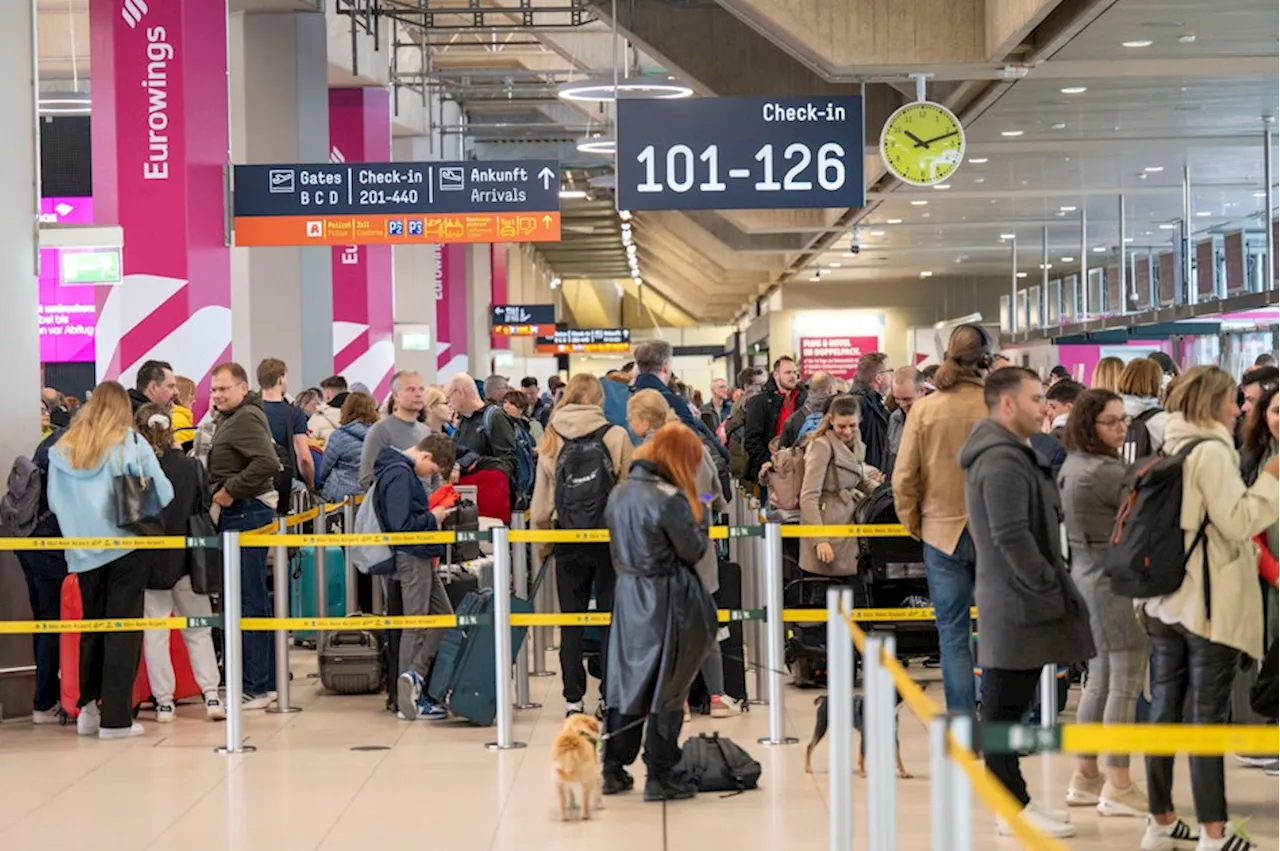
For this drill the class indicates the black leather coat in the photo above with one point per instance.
(664, 621)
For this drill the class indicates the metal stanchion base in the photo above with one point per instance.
(276, 710)
(542, 673)
(786, 740)
(243, 749)
(528, 706)
(494, 746)
(757, 701)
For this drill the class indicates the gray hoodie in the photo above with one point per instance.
(1030, 613)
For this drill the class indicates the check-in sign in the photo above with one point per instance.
(524, 320)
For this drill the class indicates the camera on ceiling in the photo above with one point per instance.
(854, 248)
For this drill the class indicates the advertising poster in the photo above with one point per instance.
(68, 313)
(836, 355)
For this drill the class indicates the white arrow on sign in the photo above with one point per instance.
(547, 176)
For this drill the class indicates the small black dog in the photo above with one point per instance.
(820, 731)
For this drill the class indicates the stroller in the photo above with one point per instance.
(894, 571)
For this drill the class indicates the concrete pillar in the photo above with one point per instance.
(282, 297)
(19, 321)
(419, 284)
(159, 148)
(363, 286)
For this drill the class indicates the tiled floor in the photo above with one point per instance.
(436, 786)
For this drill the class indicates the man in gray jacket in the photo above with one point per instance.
(1029, 611)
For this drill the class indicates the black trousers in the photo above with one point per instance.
(579, 568)
(661, 741)
(45, 570)
(1006, 697)
(109, 660)
(1192, 672)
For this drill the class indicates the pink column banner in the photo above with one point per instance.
(451, 309)
(363, 286)
(68, 312)
(498, 288)
(160, 140)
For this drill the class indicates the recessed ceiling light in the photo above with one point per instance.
(1022, 274)
(919, 202)
(815, 278)
(1202, 213)
(978, 160)
(1187, 38)
(1008, 235)
(942, 186)
(1075, 90)
(1098, 249)
(1011, 133)
(1138, 42)
(1059, 126)
(1043, 266)
(1259, 195)
(1128, 239)
(573, 193)
(876, 232)
(926, 274)
(1067, 209)
(893, 221)
(979, 180)
(1068, 259)
(1154, 168)
(1166, 226)
(835, 264)
(824, 271)
(598, 145)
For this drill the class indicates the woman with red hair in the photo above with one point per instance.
(664, 621)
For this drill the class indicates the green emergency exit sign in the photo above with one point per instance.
(90, 266)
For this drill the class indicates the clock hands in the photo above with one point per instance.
(925, 143)
(913, 137)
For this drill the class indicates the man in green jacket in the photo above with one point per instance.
(242, 468)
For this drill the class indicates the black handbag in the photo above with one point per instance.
(137, 502)
(204, 564)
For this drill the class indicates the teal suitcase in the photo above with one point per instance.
(302, 589)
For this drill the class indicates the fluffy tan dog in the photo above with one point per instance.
(575, 767)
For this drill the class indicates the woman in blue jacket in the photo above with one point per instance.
(99, 445)
(339, 475)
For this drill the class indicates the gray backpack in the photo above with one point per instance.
(378, 559)
(20, 507)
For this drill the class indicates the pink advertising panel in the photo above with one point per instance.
(836, 355)
(68, 313)
(363, 287)
(160, 139)
(499, 289)
(451, 309)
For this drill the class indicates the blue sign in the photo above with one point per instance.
(354, 189)
(740, 153)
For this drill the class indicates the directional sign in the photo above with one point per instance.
(740, 153)
(524, 320)
(585, 341)
(397, 203)
(89, 266)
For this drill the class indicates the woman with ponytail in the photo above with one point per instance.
(664, 621)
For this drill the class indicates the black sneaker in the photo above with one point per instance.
(668, 789)
(617, 781)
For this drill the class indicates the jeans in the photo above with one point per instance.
(422, 593)
(45, 572)
(109, 660)
(1007, 695)
(579, 568)
(661, 748)
(255, 601)
(951, 589)
(1191, 681)
(1111, 692)
(182, 600)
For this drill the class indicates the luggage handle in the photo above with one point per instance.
(542, 574)
(349, 638)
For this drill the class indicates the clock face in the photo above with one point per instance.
(922, 143)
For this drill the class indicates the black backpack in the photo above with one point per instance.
(1137, 437)
(584, 479)
(1144, 559)
(20, 507)
(288, 462)
(718, 765)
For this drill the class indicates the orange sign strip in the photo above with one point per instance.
(524, 330)
(581, 348)
(396, 229)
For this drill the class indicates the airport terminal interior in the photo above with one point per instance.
(388, 232)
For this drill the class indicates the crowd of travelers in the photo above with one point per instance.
(1012, 484)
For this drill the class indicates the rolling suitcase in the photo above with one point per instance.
(729, 596)
(462, 677)
(351, 662)
(302, 589)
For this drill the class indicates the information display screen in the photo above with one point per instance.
(586, 341)
(524, 320)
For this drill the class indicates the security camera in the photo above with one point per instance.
(855, 248)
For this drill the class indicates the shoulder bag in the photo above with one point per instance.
(203, 563)
(137, 503)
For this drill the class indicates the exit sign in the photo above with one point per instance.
(90, 266)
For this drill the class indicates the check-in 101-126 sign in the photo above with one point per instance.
(396, 203)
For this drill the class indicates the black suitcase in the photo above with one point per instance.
(464, 518)
(732, 657)
(351, 662)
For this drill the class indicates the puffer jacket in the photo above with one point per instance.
(339, 475)
(664, 620)
(1212, 485)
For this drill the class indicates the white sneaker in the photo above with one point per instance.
(1041, 822)
(1060, 816)
(1251, 761)
(52, 715)
(1083, 791)
(1175, 836)
(108, 733)
(214, 709)
(724, 706)
(255, 701)
(166, 713)
(575, 708)
(1233, 839)
(1130, 801)
(89, 721)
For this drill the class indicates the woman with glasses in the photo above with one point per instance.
(1092, 481)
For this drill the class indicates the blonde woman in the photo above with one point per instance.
(184, 433)
(99, 445)
(581, 459)
(1106, 375)
(439, 414)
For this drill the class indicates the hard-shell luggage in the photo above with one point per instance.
(351, 662)
(462, 677)
(457, 586)
(72, 609)
(465, 518)
(302, 589)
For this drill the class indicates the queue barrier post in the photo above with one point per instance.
(520, 568)
(873, 723)
(961, 791)
(885, 699)
(280, 590)
(232, 646)
(353, 589)
(540, 636)
(772, 578)
(940, 780)
(755, 632)
(320, 525)
(502, 639)
(1049, 695)
(840, 720)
